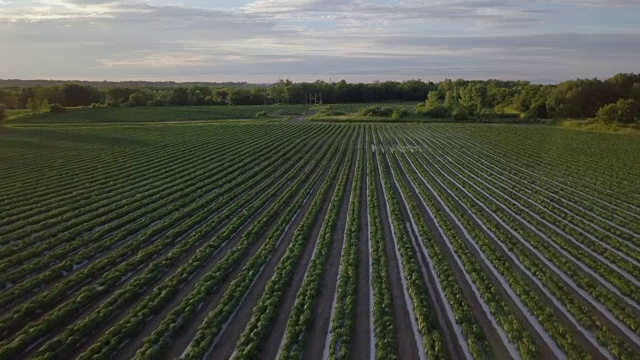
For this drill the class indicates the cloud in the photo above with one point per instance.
(308, 39)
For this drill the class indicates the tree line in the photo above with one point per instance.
(615, 99)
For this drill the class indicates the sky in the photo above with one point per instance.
(262, 41)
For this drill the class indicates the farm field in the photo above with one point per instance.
(188, 113)
(284, 240)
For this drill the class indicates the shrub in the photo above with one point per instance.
(262, 114)
(435, 112)
(459, 114)
(487, 114)
(57, 109)
(624, 112)
(376, 111)
(399, 114)
(155, 102)
(98, 106)
(329, 112)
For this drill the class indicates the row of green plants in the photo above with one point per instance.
(600, 172)
(306, 297)
(207, 283)
(542, 270)
(216, 320)
(121, 235)
(256, 331)
(427, 326)
(517, 333)
(105, 189)
(386, 342)
(344, 305)
(172, 190)
(77, 174)
(579, 203)
(517, 287)
(588, 216)
(162, 114)
(449, 290)
(115, 275)
(570, 236)
(593, 260)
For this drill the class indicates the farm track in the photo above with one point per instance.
(291, 240)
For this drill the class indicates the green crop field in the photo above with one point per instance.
(300, 240)
(188, 113)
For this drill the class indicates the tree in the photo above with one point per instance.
(179, 96)
(33, 105)
(44, 106)
(24, 96)
(3, 113)
(138, 98)
(625, 111)
(433, 99)
(450, 100)
(80, 95)
(581, 98)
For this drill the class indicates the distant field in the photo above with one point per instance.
(354, 108)
(257, 240)
(162, 114)
(16, 113)
(185, 113)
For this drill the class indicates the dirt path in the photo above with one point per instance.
(303, 117)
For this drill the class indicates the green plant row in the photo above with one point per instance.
(68, 265)
(114, 276)
(302, 310)
(554, 166)
(74, 179)
(427, 325)
(593, 260)
(292, 200)
(584, 315)
(587, 216)
(167, 289)
(255, 332)
(176, 187)
(518, 334)
(342, 327)
(386, 343)
(124, 183)
(463, 316)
